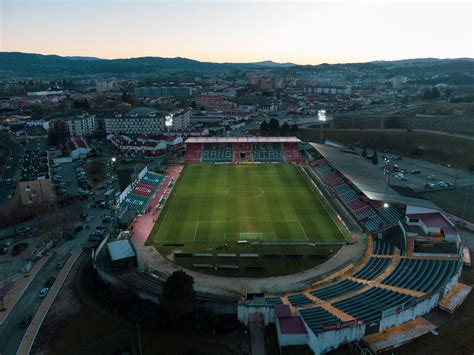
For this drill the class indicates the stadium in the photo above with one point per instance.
(309, 237)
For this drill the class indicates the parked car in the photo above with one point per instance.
(415, 171)
(431, 177)
(25, 322)
(60, 264)
(443, 184)
(50, 282)
(43, 292)
(23, 230)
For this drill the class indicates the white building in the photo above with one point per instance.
(81, 125)
(180, 120)
(135, 124)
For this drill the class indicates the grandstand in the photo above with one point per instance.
(386, 290)
(139, 193)
(239, 149)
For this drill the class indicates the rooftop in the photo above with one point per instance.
(120, 249)
(369, 179)
(242, 140)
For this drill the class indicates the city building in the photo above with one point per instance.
(35, 182)
(161, 91)
(80, 125)
(78, 147)
(214, 101)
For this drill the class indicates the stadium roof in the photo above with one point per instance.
(242, 140)
(369, 179)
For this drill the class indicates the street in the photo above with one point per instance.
(10, 332)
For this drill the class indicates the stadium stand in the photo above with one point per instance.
(317, 317)
(382, 248)
(369, 305)
(337, 289)
(141, 193)
(373, 268)
(217, 152)
(425, 275)
(267, 152)
(299, 300)
(193, 153)
(291, 152)
(242, 149)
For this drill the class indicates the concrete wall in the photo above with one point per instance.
(245, 310)
(326, 341)
(290, 339)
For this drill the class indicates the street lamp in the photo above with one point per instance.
(386, 205)
(114, 159)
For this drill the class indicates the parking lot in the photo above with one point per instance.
(10, 171)
(422, 176)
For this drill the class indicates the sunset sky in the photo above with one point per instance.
(300, 32)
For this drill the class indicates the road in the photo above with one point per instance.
(10, 332)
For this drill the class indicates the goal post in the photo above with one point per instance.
(251, 236)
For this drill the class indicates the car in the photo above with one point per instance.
(429, 185)
(107, 219)
(23, 230)
(415, 171)
(88, 219)
(25, 322)
(68, 183)
(94, 237)
(60, 264)
(431, 177)
(43, 292)
(50, 282)
(443, 184)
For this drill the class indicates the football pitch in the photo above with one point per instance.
(214, 205)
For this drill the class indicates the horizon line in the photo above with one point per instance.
(241, 62)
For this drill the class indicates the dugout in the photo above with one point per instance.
(122, 254)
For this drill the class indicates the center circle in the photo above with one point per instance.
(245, 191)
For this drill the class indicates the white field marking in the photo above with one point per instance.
(163, 217)
(306, 236)
(226, 240)
(195, 230)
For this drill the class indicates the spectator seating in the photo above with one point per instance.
(217, 152)
(317, 317)
(368, 306)
(193, 153)
(373, 223)
(373, 268)
(436, 248)
(391, 214)
(356, 204)
(271, 301)
(291, 152)
(425, 275)
(267, 152)
(242, 152)
(340, 189)
(299, 300)
(337, 289)
(364, 212)
(382, 248)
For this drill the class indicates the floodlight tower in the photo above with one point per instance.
(321, 119)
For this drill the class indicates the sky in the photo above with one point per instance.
(307, 32)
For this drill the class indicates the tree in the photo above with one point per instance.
(285, 127)
(364, 152)
(178, 295)
(375, 158)
(264, 126)
(294, 127)
(274, 125)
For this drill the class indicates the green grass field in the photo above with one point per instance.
(212, 204)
